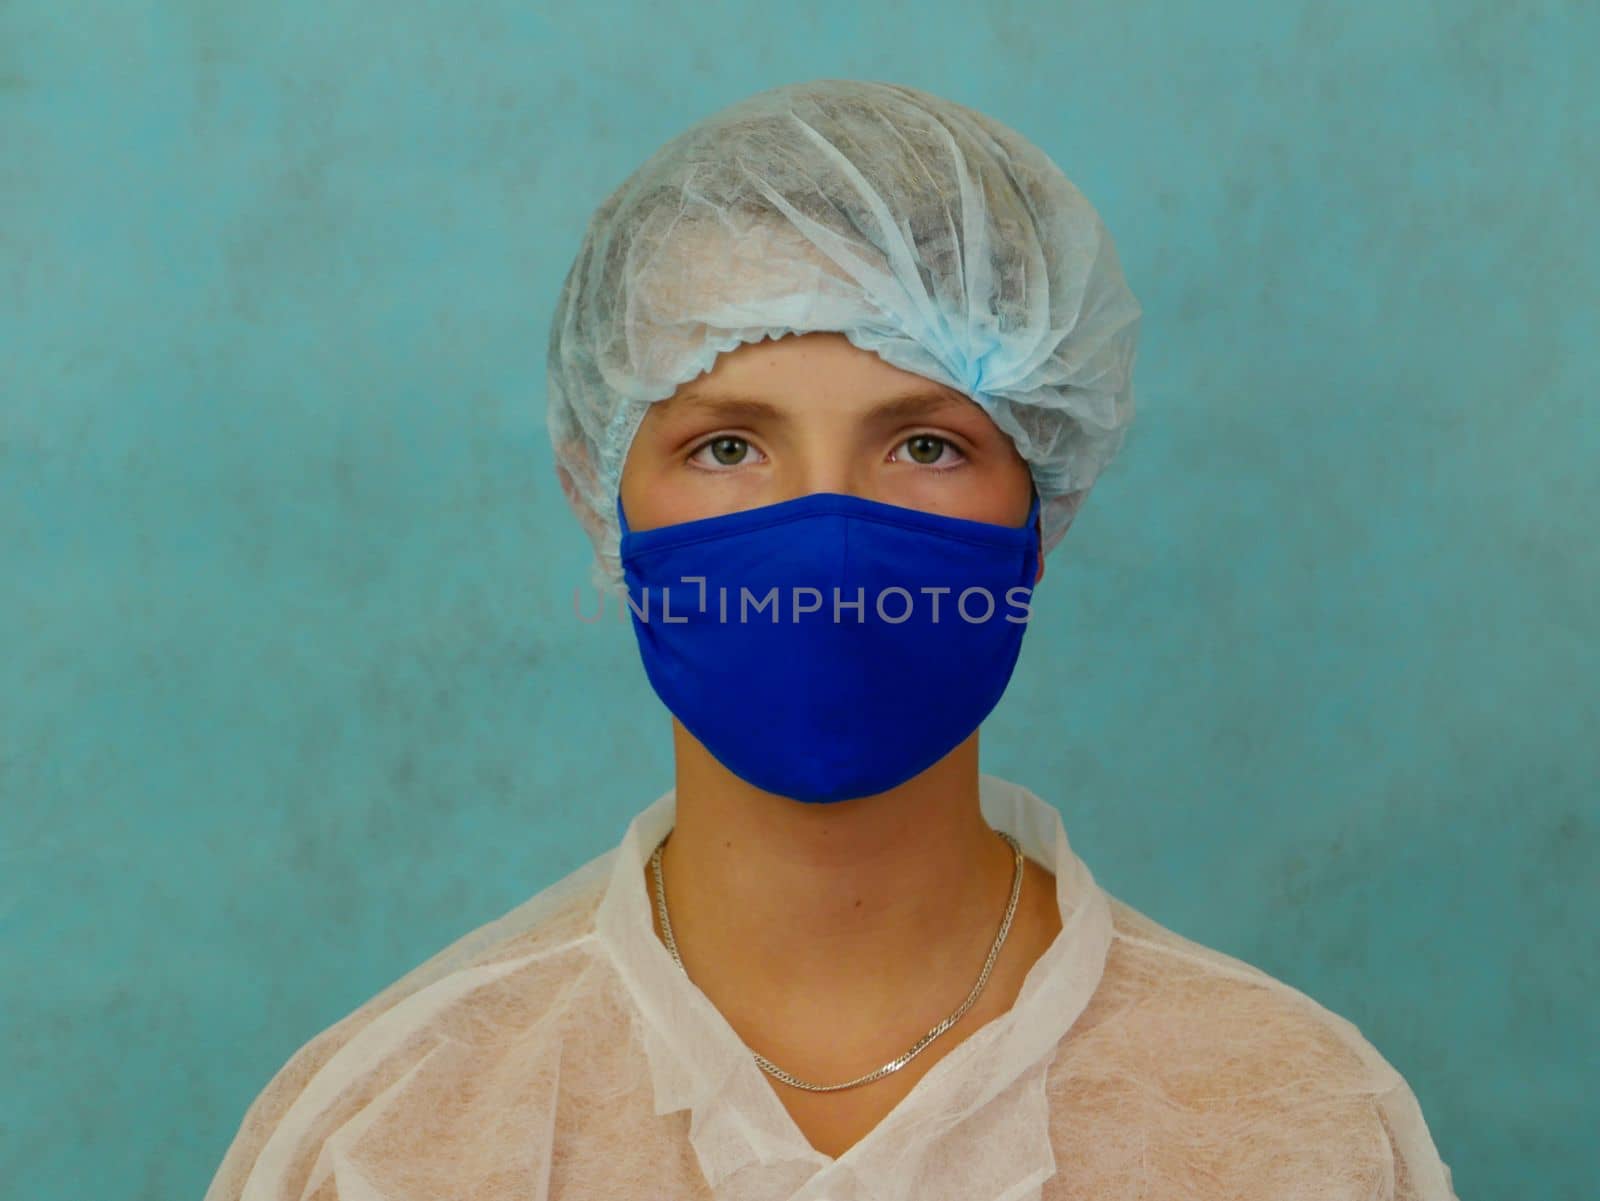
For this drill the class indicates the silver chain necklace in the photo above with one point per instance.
(894, 1065)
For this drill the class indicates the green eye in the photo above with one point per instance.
(925, 448)
(728, 451)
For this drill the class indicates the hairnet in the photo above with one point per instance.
(921, 230)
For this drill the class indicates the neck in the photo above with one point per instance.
(779, 907)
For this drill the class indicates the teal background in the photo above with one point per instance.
(291, 693)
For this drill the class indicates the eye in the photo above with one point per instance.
(929, 450)
(726, 451)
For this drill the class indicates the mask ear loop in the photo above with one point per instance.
(1036, 513)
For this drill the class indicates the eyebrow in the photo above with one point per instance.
(901, 407)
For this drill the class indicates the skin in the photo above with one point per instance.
(833, 937)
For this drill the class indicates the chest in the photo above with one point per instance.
(834, 1122)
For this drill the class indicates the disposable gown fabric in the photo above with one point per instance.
(560, 1053)
(921, 230)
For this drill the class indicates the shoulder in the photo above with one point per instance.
(1209, 1073)
(468, 998)
(1225, 1021)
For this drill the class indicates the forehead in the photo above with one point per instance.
(813, 378)
(813, 363)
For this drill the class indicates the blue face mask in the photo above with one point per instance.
(830, 646)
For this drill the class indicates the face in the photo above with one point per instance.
(812, 413)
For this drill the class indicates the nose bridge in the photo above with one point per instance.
(828, 459)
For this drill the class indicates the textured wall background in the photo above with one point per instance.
(289, 693)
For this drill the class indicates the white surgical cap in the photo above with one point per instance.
(919, 229)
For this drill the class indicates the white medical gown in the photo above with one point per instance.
(559, 1053)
